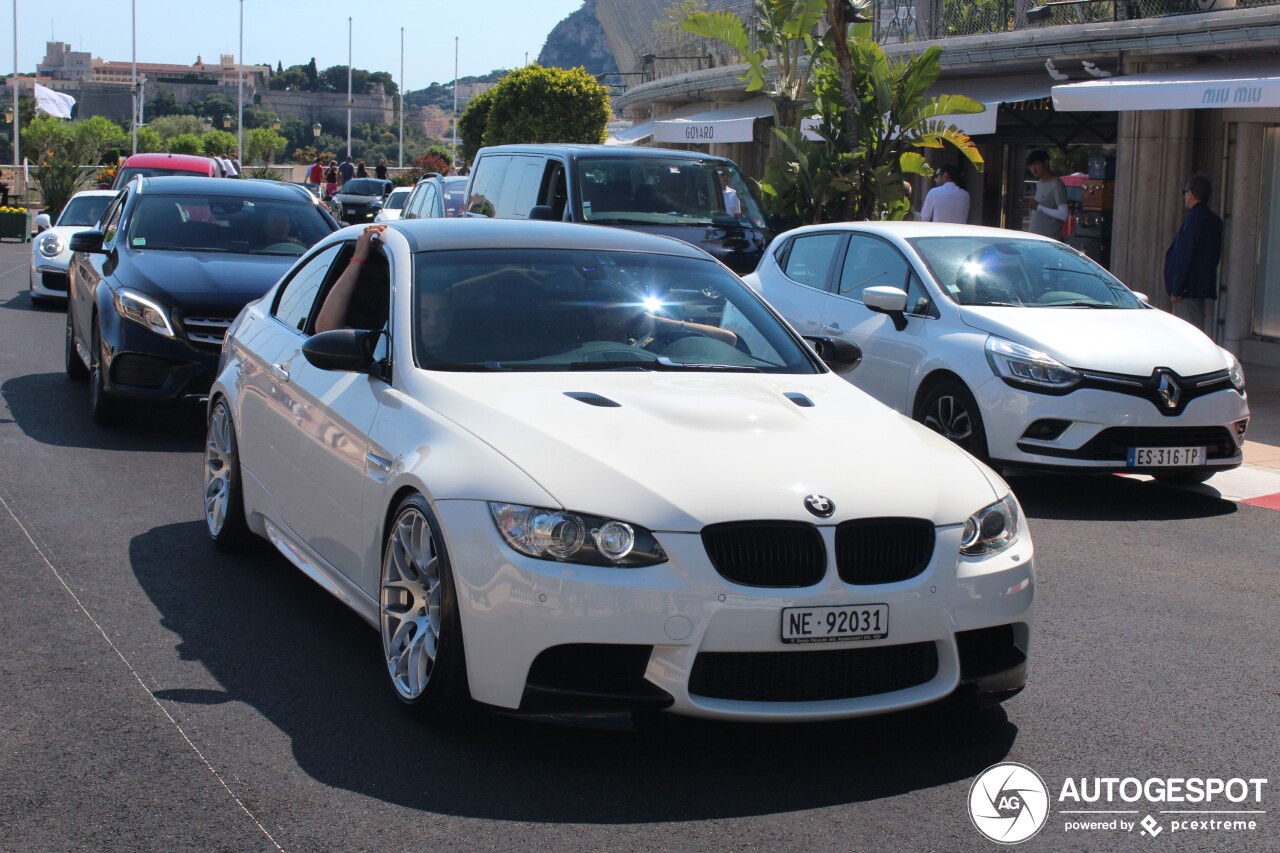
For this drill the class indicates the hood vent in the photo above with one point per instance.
(799, 399)
(592, 399)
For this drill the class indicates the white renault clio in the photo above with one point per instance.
(1020, 349)
(534, 465)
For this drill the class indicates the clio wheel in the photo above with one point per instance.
(950, 410)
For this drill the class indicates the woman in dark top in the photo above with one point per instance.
(361, 171)
(331, 178)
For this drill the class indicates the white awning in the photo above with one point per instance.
(734, 123)
(638, 133)
(991, 92)
(1216, 85)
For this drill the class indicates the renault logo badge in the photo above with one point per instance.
(819, 506)
(1169, 391)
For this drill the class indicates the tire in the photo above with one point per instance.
(223, 488)
(950, 410)
(1185, 478)
(102, 408)
(76, 371)
(419, 625)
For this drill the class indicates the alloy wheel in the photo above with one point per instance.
(219, 467)
(951, 418)
(411, 604)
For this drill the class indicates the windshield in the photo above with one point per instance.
(1000, 271)
(563, 310)
(396, 200)
(663, 191)
(127, 175)
(235, 225)
(455, 193)
(363, 186)
(84, 210)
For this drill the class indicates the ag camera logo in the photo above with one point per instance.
(1009, 803)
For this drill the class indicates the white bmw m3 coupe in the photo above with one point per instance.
(561, 467)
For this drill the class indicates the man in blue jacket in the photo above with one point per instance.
(1191, 263)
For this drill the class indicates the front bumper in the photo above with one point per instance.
(1102, 425)
(712, 648)
(147, 368)
(48, 277)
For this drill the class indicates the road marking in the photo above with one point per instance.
(134, 672)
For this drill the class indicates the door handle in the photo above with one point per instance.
(832, 328)
(281, 371)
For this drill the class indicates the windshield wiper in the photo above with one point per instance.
(1080, 304)
(661, 364)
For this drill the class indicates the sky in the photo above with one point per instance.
(492, 34)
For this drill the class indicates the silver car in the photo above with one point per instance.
(51, 249)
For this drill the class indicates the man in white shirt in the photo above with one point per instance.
(732, 204)
(946, 202)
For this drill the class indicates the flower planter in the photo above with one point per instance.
(14, 226)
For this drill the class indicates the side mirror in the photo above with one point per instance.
(1142, 297)
(542, 212)
(42, 222)
(836, 353)
(345, 350)
(87, 241)
(888, 300)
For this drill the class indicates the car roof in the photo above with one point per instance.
(395, 190)
(180, 184)
(482, 233)
(604, 151)
(171, 161)
(904, 229)
(91, 193)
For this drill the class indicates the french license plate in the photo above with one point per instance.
(1158, 457)
(835, 624)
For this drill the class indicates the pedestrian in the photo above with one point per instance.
(235, 165)
(381, 170)
(732, 203)
(1048, 205)
(346, 169)
(315, 175)
(946, 202)
(4, 189)
(1191, 263)
(331, 178)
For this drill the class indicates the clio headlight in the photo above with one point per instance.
(1029, 368)
(1235, 371)
(50, 245)
(573, 537)
(991, 529)
(144, 311)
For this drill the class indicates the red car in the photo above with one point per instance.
(159, 165)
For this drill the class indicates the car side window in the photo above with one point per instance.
(871, 262)
(111, 220)
(554, 191)
(918, 301)
(411, 204)
(810, 259)
(486, 181)
(429, 208)
(293, 306)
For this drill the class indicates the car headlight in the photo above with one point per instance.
(144, 311)
(573, 537)
(50, 245)
(1235, 370)
(1029, 368)
(991, 529)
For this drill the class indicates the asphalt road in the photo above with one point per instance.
(157, 695)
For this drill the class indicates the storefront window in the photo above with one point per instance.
(1266, 300)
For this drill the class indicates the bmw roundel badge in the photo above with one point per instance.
(820, 506)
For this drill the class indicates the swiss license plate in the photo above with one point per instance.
(835, 624)
(1160, 457)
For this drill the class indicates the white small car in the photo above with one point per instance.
(393, 205)
(549, 488)
(51, 249)
(1018, 348)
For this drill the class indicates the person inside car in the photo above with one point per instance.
(360, 298)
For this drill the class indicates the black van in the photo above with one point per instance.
(694, 197)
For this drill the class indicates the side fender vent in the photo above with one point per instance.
(593, 399)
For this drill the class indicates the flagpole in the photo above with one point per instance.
(15, 93)
(401, 163)
(348, 89)
(455, 102)
(133, 119)
(240, 90)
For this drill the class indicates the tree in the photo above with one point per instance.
(264, 144)
(44, 136)
(184, 143)
(216, 143)
(170, 126)
(149, 141)
(536, 104)
(472, 123)
(93, 137)
(785, 29)
(861, 177)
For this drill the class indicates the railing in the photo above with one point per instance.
(674, 51)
